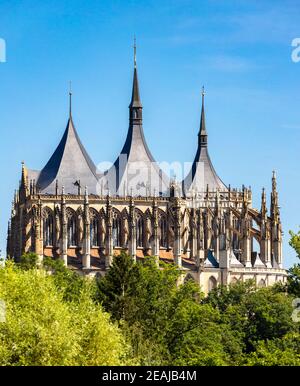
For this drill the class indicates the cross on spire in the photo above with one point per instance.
(70, 98)
(134, 50)
(202, 133)
(135, 103)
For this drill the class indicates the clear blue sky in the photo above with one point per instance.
(240, 51)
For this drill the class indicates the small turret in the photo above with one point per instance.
(23, 183)
(274, 210)
(263, 210)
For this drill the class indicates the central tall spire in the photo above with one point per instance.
(135, 171)
(135, 107)
(202, 136)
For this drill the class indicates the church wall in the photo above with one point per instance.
(195, 234)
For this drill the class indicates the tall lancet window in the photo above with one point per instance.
(48, 228)
(94, 230)
(163, 232)
(212, 283)
(116, 230)
(139, 231)
(72, 231)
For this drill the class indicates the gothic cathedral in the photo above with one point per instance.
(71, 211)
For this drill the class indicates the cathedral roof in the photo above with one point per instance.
(135, 171)
(210, 261)
(70, 165)
(202, 172)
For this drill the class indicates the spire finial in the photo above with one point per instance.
(135, 98)
(263, 203)
(274, 182)
(23, 175)
(70, 98)
(134, 50)
(202, 133)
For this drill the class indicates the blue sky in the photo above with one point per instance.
(240, 50)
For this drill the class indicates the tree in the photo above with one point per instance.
(69, 283)
(42, 328)
(276, 352)
(165, 322)
(293, 281)
(28, 261)
(254, 314)
(295, 242)
(112, 289)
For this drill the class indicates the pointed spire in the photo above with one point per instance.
(70, 100)
(23, 179)
(274, 182)
(135, 98)
(263, 203)
(23, 190)
(202, 133)
(274, 199)
(134, 51)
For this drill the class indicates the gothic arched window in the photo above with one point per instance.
(48, 227)
(72, 231)
(212, 283)
(163, 232)
(139, 231)
(94, 231)
(116, 230)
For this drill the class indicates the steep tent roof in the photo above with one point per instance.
(70, 165)
(202, 172)
(135, 170)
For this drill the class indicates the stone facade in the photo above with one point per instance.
(210, 231)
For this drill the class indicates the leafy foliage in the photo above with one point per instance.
(28, 261)
(295, 242)
(167, 323)
(41, 328)
(139, 313)
(293, 284)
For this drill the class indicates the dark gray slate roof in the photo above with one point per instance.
(135, 171)
(202, 172)
(210, 261)
(68, 164)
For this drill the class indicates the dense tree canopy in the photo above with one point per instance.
(167, 323)
(139, 313)
(294, 272)
(41, 328)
